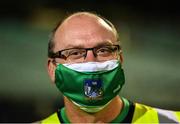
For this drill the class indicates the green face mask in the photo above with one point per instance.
(91, 85)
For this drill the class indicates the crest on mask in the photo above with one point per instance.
(93, 89)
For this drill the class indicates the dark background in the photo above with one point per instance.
(149, 32)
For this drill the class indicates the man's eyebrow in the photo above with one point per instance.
(107, 43)
(74, 46)
(104, 43)
(97, 45)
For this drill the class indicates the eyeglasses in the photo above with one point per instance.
(102, 53)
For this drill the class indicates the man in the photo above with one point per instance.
(85, 62)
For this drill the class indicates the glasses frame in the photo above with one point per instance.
(59, 55)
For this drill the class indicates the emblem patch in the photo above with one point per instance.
(93, 88)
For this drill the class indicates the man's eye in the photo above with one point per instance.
(75, 53)
(104, 50)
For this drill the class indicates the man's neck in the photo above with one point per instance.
(109, 113)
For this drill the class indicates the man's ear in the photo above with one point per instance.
(121, 57)
(51, 70)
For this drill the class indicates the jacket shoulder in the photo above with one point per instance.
(144, 113)
(51, 119)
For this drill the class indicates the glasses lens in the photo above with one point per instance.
(106, 52)
(75, 55)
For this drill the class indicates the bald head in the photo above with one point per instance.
(84, 18)
(82, 29)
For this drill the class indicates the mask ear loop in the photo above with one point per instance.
(54, 62)
(118, 53)
(119, 57)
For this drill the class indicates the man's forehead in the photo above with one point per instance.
(81, 26)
